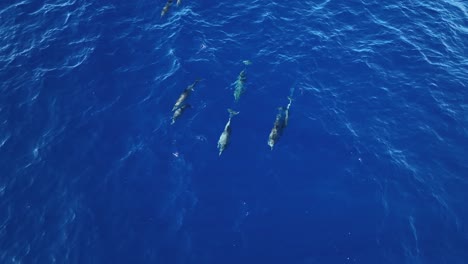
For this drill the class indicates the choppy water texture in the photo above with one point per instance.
(372, 167)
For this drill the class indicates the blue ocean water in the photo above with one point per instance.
(372, 167)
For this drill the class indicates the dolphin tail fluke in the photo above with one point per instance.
(232, 112)
(271, 145)
(246, 63)
(197, 81)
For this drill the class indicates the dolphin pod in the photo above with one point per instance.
(281, 120)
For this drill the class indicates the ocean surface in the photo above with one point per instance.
(371, 168)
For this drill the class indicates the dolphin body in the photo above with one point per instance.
(239, 84)
(224, 138)
(281, 121)
(184, 95)
(178, 112)
(166, 7)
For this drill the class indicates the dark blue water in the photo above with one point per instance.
(372, 167)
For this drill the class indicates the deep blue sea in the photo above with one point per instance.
(371, 168)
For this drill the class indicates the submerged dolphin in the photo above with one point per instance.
(240, 82)
(184, 95)
(166, 7)
(224, 138)
(178, 112)
(281, 122)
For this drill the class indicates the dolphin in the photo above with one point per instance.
(166, 7)
(178, 112)
(224, 138)
(277, 129)
(184, 95)
(281, 121)
(240, 82)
